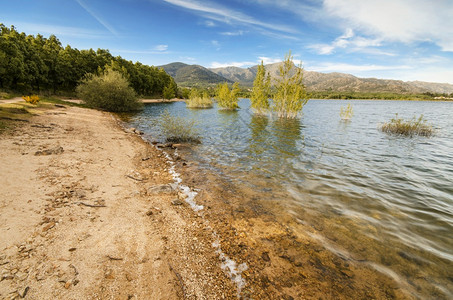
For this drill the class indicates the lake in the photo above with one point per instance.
(381, 199)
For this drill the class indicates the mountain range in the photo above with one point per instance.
(195, 75)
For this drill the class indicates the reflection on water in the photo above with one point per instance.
(386, 201)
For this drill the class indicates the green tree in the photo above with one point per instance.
(290, 95)
(168, 92)
(109, 91)
(226, 98)
(261, 90)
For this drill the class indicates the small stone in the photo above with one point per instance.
(149, 213)
(68, 284)
(176, 202)
(265, 256)
(48, 226)
(161, 189)
(56, 150)
(109, 274)
(129, 277)
(24, 292)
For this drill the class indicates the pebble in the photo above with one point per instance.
(67, 285)
(176, 202)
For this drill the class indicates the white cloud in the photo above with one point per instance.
(268, 60)
(398, 20)
(351, 42)
(232, 64)
(209, 23)
(225, 15)
(345, 68)
(99, 19)
(233, 33)
(160, 48)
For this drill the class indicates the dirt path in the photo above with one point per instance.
(13, 100)
(85, 213)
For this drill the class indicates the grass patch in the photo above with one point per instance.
(415, 126)
(178, 130)
(53, 100)
(6, 96)
(12, 114)
(198, 99)
(199, 102)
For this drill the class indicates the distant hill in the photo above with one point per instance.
(339, 82)
(193, 75)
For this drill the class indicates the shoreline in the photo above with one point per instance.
(89, 213)
(108, 206)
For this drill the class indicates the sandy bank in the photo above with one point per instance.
(78, 219)
(90, 211)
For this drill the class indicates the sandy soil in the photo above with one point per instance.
(77, 221)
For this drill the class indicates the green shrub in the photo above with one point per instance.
(415, 126)
(198, 99)
(178, 129)
(109, 91)
(346, 113)
(261, 91)
(226, 98)
(169, 91)
(290, 96)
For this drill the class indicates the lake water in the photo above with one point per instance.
(383, 199)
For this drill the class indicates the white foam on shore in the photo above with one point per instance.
(229, 266)
(233, 270)
(184, 189)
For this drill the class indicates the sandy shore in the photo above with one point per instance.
(79, 218)
(88, 210)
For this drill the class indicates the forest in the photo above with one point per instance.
(36, 64)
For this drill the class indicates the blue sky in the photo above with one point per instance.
(394, 39)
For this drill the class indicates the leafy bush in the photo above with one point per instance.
(346, 113)
(261, 90)
(198, 99)
(178, 130)
(226, 98)
(33, 99)
(416, 126)
(109, 91)
(169, 91)
(290, 96)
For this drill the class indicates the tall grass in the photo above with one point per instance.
(415, 126)
(346, 113)
(198, 100)
(178, 130)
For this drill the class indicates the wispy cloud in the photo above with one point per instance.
(233, 33)
(397, 20)
(344, 67)
(99, 19)
(216, 44)
(241, 64)
(209, 23)
(223, 14)
(348, 41)
(160, 48)
(60, 31)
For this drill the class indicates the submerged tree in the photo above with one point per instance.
(261, 90)
(290, 95)
(226, 98)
